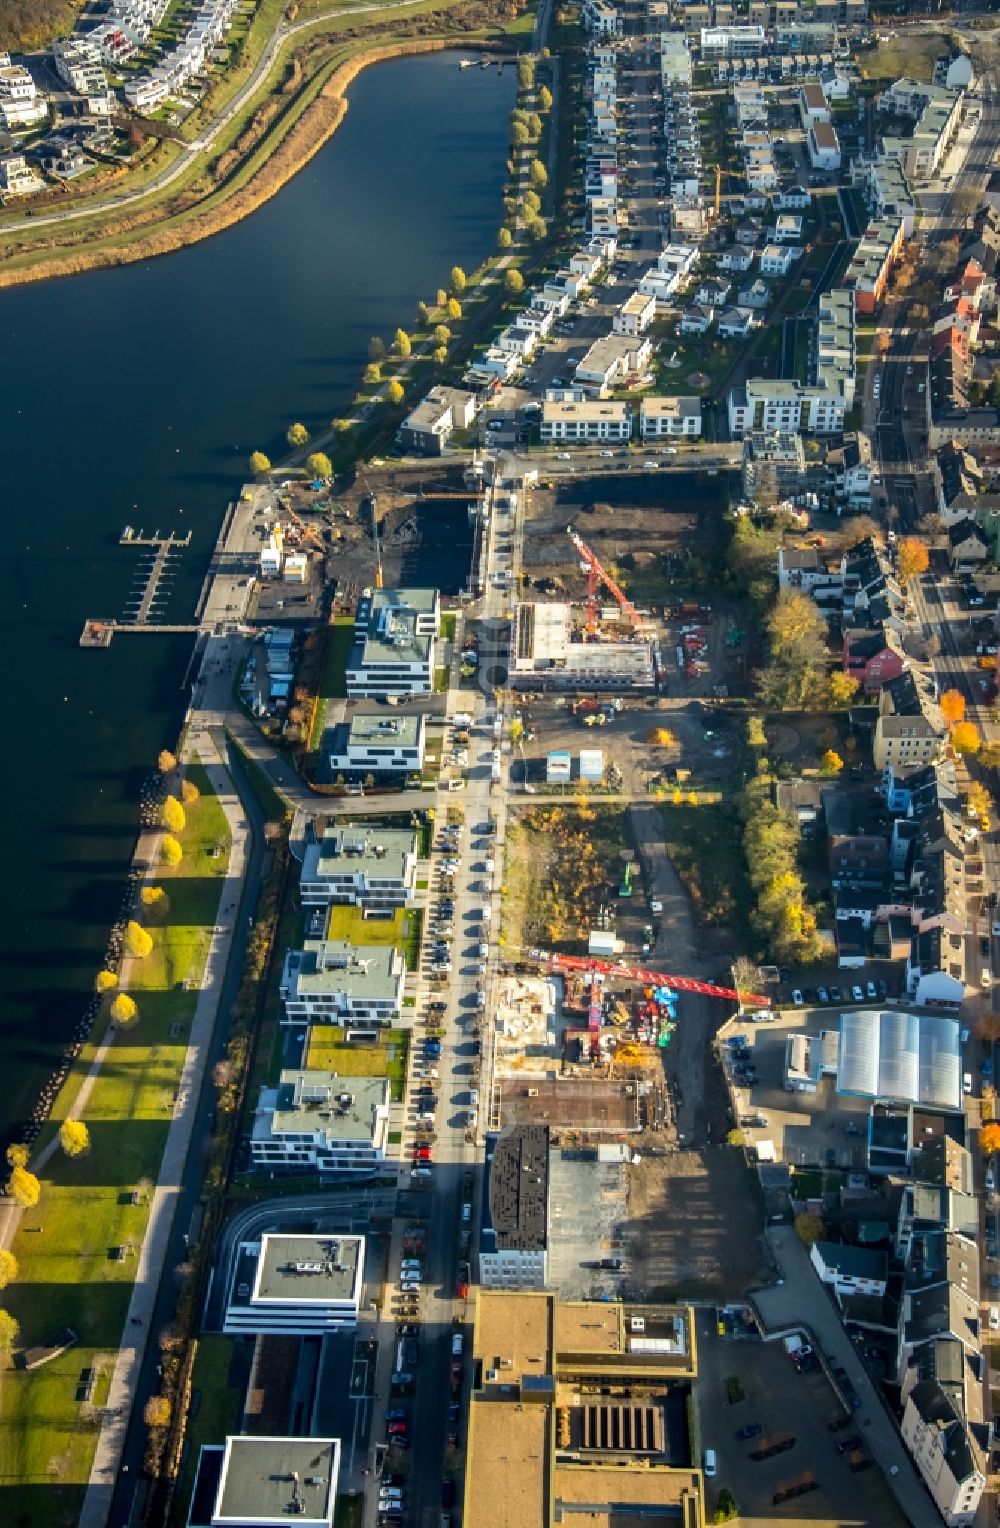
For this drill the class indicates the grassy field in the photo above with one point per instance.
(910, 55)
(67, 1248)
(330, 1052)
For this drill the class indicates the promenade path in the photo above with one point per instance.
(111, 1439)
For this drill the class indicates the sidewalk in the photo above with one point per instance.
(111, 1439)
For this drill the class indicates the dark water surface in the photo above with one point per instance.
(136, 395)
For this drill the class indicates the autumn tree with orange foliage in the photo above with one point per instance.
(989, 1140)
(953, 706)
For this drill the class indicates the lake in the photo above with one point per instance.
(136, 395)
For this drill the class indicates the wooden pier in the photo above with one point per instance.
(98, 633)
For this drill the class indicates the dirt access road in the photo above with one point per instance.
(695, 1214)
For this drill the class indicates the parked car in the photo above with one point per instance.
(748, 1430)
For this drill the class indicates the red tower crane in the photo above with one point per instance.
(597, 575)
(588, 964)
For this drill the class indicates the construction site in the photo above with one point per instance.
(408, 526)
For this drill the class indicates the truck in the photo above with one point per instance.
(787, 1490)
(773, 1443)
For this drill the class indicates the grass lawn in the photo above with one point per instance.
(448, 626)
(334, 682)
(69, 1274)
(707, 854)
(330, 1052)
(441, 679)
(218, 1388)
(270, 800)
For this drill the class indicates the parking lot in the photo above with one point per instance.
(781, 1400)
(819, 1129)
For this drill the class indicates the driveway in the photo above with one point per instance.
(801, 1300)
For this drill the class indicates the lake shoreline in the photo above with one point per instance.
(310, 133)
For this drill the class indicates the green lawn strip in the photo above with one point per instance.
(218, 1389)
(69, 1273)
(448, 626)
(334, 684)
(329, 1052)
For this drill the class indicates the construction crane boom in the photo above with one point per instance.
(649, 978)
(729, 175)
(596, 574)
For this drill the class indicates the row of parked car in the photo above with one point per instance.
(871, 992)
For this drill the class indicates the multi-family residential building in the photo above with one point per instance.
(314, 1121)
(585, 419)
(427, 429)
(295, 1286)
(635, 315)
(615, 356)
(777, 259)
(768, 404)
(20, 104)
(871, 264)
(17, 176)
(377, 745)
(361, 864)
(669, 418)
(910, 730)
(395, 633)
(813, 105)
(513, 1242)
(330, 981)
(774, 465)
(823, 146)
(78, 64)
(937, 113)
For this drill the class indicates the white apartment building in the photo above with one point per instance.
(394, 648)
(823, 145)
(574, 420)
(362, 865)
(670, 418)
(768, 404)
(635, 316)
(377, 745)
(943, 1450)
(615, 356)
(320, 1122)
(330, 981)
(20, 104)
(266, 1481)
(78, 64)
(296, 1286)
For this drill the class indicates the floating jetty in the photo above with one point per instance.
(139, 616)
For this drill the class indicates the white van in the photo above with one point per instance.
(711, 1462)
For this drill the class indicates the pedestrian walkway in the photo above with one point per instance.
(111, 1439)
(800, 1300)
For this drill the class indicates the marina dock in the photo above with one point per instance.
(139, 612)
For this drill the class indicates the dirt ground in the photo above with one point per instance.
(695, 1225)
(638, 523)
